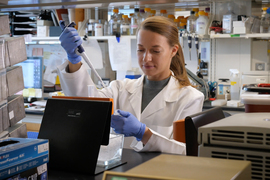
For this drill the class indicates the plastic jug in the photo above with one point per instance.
(235, 85)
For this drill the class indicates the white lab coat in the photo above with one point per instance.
(169, 105)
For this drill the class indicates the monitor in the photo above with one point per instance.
(33, 74)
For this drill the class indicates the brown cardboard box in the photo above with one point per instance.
(18, 131)
(1, 120)
(16, 109)
(33, 127)
(15, 81)
(3, 56)
(16, 50)
(5, 120)
(3, 85)
(4, 28)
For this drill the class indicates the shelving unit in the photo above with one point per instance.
(257, 35)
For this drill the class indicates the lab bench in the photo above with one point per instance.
(231, 110)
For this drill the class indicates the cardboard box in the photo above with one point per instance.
(16, 110)
(4, 123)
(16, 50)
(15, 168)
(33, 127)
(37, 173)
(238, 24)
(17, 131)
(3, 54)
(15, 81)
(44, 23)
(4, 28)
(239, 30)
(43, 31)
(3, 85)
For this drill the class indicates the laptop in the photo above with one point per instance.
(76, 129)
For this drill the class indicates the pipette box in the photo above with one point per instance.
(37, 173)
(20, 154)
(112, 153)
(15, 81)
(16, 109)
(15, 50)
(4, 28)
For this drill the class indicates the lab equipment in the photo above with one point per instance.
(212, 88)
(114, 22)
(227, 20)
(135, 21)
(235, 86)
(190, 45)
(91, 27)
(163, 12)
(197, 46)
(127, 124)
(125, 26)
(78, 48)
(264, 25)
(243, 136)
(98, 28)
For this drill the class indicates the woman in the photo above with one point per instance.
(149, 105)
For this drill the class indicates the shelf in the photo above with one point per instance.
(55, 40)
(257, 35)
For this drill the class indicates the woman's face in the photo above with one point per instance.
(154, 55)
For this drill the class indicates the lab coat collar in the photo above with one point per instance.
(169, 93)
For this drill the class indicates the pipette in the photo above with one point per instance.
(182, 40)
(80, 51)
(197, 45)
(190, 45)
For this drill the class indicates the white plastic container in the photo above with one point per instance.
(201, 23)
(235, 85)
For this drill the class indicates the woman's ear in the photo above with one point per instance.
(174, 50)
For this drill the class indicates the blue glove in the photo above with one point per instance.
(127, 124)
(70, 40)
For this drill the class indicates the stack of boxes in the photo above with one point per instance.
(20, 158)
(12, 51)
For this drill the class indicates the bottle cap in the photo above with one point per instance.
(180, 17)
(201, 13)
(195, 9)
(136, 10)
(182, 24)
(264, 9)
(163, 11)
(124, 16)
(171, 16)
(141, 10)
(176, 20)
(153, 11)
(207, 9)
(147, 9)
(131, 14)
(115, 10)
(192, 12)
(183, 20)
(205, 13)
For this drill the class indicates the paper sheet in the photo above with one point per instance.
(50, 74)
(93, 51)
(120, 54)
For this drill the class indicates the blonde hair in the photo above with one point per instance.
(168, 29)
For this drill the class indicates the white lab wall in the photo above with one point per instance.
(231, 54)
(260, 57)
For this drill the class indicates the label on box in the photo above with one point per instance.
(41, 169)
(43, 147)
(11, 115)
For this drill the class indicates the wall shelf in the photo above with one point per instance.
(256, 35)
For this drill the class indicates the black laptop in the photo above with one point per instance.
(76, 129)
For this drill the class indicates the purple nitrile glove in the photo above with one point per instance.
(127, 124)
(70, 40)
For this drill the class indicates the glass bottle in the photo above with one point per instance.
(147, 12)
(191, 23)
(227, 21)
(171, 17)
(177, 23)
(91, 27)
(125, 25)
(264, 24)
(135, 21)
(163, 12)
(114, 22)
(153, 12)
(196, 10)
(142, 13)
